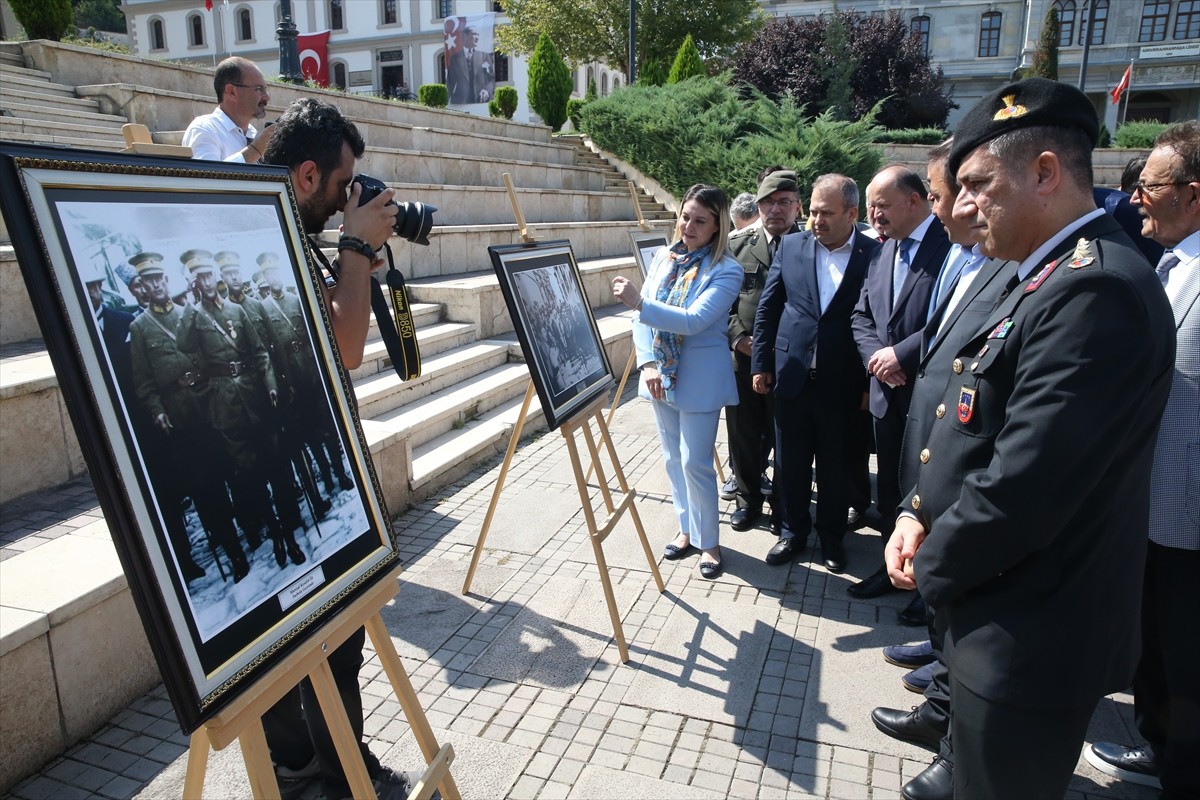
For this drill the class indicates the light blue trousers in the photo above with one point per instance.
(687, 439)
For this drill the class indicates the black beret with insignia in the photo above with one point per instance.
(1029, 102)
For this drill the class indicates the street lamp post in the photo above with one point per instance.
(289, 53)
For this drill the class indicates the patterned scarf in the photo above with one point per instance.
(673, 292)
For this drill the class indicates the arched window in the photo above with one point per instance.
(1154, 20)
(195, 24)
(336, 21)
(920, 29)
(158, 36)
(245, 28)
(1187, 20)
(616, 83)
(1066, 21)
(441, 66)
(591, 76)
(445, 8)
(339, 75)
(989, 34)
(604, 84)
(1099, 22)
(500, 62)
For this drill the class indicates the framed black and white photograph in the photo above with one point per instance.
(646, 245)
(189, 337)
(554, 324)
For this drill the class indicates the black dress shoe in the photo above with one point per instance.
(935, 783)
(1133, 764)
(833, 555)
(784, 551)
(877, 585)
(907, 726)
(913, 614)
(744, 518)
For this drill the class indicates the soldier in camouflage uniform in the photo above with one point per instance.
(242, 396)
(179, 450)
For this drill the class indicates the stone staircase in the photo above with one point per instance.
(423, 433)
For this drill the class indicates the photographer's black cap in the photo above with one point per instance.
(1028, 102)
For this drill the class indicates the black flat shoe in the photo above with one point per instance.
(710, 569)
(673, 552)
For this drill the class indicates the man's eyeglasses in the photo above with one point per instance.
(1147, 188)
(767, 203)
(261, 89)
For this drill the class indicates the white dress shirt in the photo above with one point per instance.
(215, 137)
(975, 260)
(831, 268)
(1188, 253)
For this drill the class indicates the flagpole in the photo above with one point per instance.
(1128, 92)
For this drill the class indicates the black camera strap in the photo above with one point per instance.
(396, 326)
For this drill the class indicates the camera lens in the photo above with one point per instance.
(413, 220)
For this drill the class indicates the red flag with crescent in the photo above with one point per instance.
(314, 64)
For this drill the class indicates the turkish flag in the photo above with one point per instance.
(314, 65)
(1123, 85)
(208, 5)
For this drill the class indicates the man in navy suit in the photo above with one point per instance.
(891, 313)
(803, 350)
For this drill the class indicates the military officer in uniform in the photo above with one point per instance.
(242, 395)
(751, 423)
(1026, 528)
(182, 460)
(230, 265)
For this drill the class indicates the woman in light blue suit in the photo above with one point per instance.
(679, 334)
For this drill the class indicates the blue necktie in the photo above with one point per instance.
(1165, 264)
(902, 267)
(956, 259)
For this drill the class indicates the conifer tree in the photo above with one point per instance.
(1045, 60)
(549, 83)
(687, 62)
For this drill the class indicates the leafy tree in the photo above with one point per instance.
(652, 73)
(791, 56)
(103, 15)
(43, 19)
(549, 83)
(1045, 59)
(598, 30)
(434, 95)
(687, 62)
(837, 71)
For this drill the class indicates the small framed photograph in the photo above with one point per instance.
(554, 324)
(646, 245)
(188, 332)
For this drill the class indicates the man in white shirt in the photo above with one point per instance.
(1166, 687)
(227, 133)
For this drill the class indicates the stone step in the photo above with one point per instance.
(65, 140)
(46, 130)
(14, 65)
(12, 59)
(29, 96)
(433, 339)
(385, 391)
(14, 79)
(56, 113)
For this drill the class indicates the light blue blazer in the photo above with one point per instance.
(704, 380)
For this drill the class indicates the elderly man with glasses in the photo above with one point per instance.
(227, 133)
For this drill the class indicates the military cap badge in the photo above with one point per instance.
(1012, 109)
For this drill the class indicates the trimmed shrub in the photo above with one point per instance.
(549, 83)
(1105, 137)
(434, 95)
(504, 104)
(574, 106)
(43, 19)
(1139, 135)
(701, 131)
(912, 136)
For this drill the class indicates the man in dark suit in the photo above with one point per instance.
(469, 76)
(751, 423)
(1166, 688)
(804, 352)
(891, 313)
(1026, 527)
(114, 329)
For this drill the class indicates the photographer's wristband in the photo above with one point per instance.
(348, 242)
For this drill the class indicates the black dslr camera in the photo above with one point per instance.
(414, 220)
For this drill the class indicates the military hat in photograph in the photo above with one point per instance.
(147, 263)
(227, 259)
(268, 261)
(198, 261)
(1024, 104)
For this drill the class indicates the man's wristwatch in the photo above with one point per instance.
(348, 242)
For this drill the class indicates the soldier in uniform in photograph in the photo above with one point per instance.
(242, 397)
(179, 449)
(230, 265)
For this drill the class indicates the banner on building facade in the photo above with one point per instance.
(314, 61)
(470, 66)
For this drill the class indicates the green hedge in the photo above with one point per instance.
(435, 95)
(930, 136)
(1139, 135)
(701, 131)
(504, 104)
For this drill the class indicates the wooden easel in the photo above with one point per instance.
(242, 720)
(597, 532)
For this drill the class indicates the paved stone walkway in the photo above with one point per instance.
(757, 685)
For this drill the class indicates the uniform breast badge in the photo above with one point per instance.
(232, 332)
(966, 404)
(1083, 255)
(999, 332)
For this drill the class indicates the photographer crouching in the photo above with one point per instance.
(319, 147)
